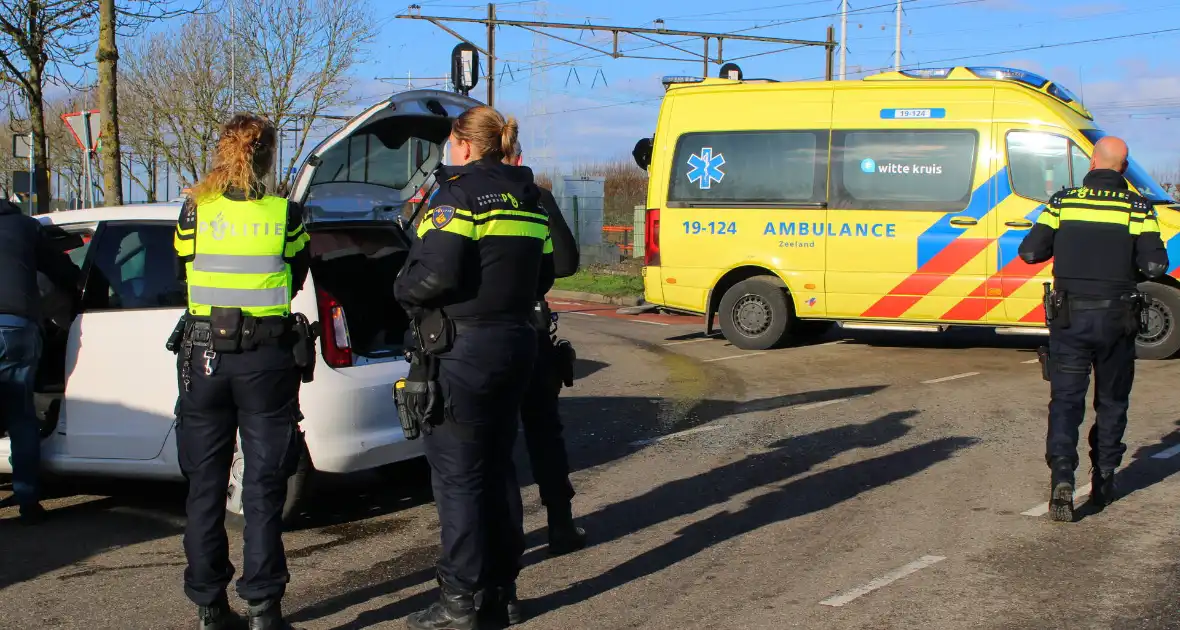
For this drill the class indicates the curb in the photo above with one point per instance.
(596, 298)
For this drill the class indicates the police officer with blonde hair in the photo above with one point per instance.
(483, 259)
(243, 255)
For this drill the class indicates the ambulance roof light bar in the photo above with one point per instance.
(679, 80)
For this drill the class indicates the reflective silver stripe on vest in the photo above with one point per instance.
(240, 298)
(233, 263)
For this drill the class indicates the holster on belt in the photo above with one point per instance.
(418, 396)
(304, 349)
(566, 358)
(1138, 304)
(1056, 306)
(1043, 359)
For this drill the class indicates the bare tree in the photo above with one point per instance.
(179, 85)
(299, 55)
(37, 40)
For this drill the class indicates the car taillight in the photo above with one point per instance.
(336, 346)
(651, 232)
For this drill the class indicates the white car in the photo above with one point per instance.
(107, 386)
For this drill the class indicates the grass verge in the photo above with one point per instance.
(613, 285)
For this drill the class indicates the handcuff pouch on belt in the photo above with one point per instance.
(418, 396)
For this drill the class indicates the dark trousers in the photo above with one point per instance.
(542, 428)
(255, 393)
(1100, 340)
(470, 455)
(20, 351)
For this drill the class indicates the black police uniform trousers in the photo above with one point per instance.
(1101, 340)
(255, 392)
(542, 427)
(483, 377)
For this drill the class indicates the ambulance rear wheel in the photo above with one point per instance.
(1161, 340)
(755, 314)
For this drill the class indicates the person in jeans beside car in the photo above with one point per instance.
(25, 250)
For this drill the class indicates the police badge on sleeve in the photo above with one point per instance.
(441, 216)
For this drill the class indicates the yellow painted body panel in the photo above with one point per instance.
(954, 263)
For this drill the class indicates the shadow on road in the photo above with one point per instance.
(791, 500)
(600, 430)
(1143, 472)
(786, 459)
(141, 512)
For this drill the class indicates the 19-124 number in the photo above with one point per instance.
(712, 227)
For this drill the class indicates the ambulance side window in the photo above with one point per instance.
(903, 169)
(1039, 164)
(1081, 163)
(749, 168)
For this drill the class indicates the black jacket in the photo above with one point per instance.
(25, 250)
(483, 250)
(565, 246)
(1100, 237)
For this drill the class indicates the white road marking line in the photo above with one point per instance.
(684, 341)
(734, 356)
(830, 343)
(1043, 508)
(949, 378)
(566, 303)
(644, 321)
(1031, 361)
(1165, 454)
(822, 403)
(580, 313)
(711, 427)
(884, 580)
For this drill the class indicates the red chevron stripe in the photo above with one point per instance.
(1013, 276)
(919, 284)
(1035, 316)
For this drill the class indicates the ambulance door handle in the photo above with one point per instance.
(963, 221)
(1019, 224)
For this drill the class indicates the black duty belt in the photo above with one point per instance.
(1081, 304)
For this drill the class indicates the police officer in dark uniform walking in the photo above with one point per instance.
(1099, 236)
(539, 411)
(243, 255)
(482, 260)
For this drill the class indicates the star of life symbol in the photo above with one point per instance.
(706, 168)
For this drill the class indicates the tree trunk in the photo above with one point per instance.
(40, 172)
(108, 103)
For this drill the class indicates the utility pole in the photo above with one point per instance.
(843, 38)
(828, 52)
(897, 44)
(491, 55)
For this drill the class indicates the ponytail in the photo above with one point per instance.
(489, 133)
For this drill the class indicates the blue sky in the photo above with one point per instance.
(597, 106)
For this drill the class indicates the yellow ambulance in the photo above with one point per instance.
(894, 202)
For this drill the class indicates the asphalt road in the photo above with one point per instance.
(868, 481)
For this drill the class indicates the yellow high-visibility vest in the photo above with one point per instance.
(239, 257)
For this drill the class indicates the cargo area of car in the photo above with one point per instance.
(353, 268)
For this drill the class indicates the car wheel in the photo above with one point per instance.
(1161, 340)
(755, 314)
(297, 488)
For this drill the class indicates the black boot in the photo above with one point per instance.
(454, 610)
(219, 616)
(1061, 490)
(1103, 490)
(564, 536)
(267, 615)
(500, 607)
